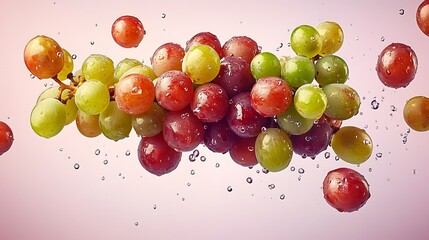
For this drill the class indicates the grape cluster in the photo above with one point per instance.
(232, 98)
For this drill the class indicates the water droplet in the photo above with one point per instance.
(105, 162)
(76, 166)
(271, 186)
(301, 170)
(188, 184)
(229, 189)
(382, 38)
(370, 169)
(103, 178)
(263, 129)
(127, 153)
(163, 15)
(136, 224)
(299, 178)
(192, 172)
(264, 170)
(414, 171)
(136, 90)
(217, 165)
(375, 104)
(249, 180)
(203, 159)
(97, 152)
(32, 76)
(401, 11)
(196, 153)
(280, 46)
(154, 206)
(282, 197)
(337, 158)
(61, 149)
(327, 155)
(379, 155)
(292, 168)
(393, 108)
(74, 56)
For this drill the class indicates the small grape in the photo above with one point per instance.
(297, 71)
(273, 149)
(128, 31)
(92, 97)
(343, 101)
(48, 117)
(201, 63)
(332, 37)
(331, 69)
(306, 41)
(98, 67)
(310, 101)
(88, 125)
(352, 144)
(265, 64)
(114, 123)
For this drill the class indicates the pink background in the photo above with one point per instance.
(42, 196)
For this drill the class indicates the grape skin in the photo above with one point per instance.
(48, 117)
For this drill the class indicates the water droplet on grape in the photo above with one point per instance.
(136, 90)
(76, 166)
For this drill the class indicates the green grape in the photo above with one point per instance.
(125, 65)
(98, 67)
(310, 101)
(201, 63)
(48, 117)
(70, 106)
(306, 41)
(143, 69)
(332, 37)
(92, 97)
(293, 123)
(265, 64)
(297, 71)
(352, 144)
(331, 69)
(114, 123)
(273, 149)
(149, 123)
(68, 66)
(343, 101)
(88, 125)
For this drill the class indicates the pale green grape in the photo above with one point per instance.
(293, 123)
(331, 69)
(92, 97)
(68, 66)
(98, 67)
(273, 149)
(306, 41)
(297, 71)
(343, 101)
(114, 123)
(48, 117)
(70, 106)
(125, 65)
(143, 69)
(265, 64)
(310, 101)
(201, 63)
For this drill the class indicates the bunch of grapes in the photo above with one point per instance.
(232, 98)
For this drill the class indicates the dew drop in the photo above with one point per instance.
(337, 158)
(327, 155)
(74, 56)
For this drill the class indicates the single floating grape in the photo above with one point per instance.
(416, 113)
(6, 137)
(422, 17)
(128, 31)
(352, 144)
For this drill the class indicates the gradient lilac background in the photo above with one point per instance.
(42, 196)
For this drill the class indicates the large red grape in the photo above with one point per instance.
(128, 31)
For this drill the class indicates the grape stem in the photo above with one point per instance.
(63, 87)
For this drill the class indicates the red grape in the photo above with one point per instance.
(6, 137)
(397, 65)
(345, 189)
(234, 76)
(182, 130)
(314, 141)
(134, 94)
(219, 137)
(241, 46)
(44, 57)
(167, 57)
(209, 102)
(128, 31)
(174, 90)
(205, 38)
(422, 17)
(156, 156)
(242, 117)
(243, 152)
(271, 96)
